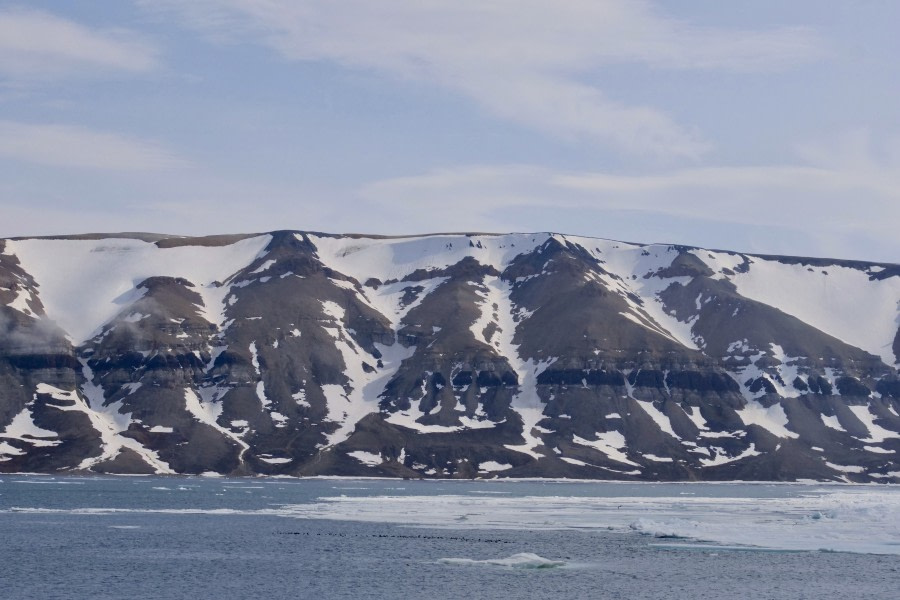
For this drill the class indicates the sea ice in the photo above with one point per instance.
(522, 560)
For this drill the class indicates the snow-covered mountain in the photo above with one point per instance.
(463, 355)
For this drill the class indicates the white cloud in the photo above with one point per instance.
(72, 146)
(712, 193)
(529, 61)
(36, 44)
(848, 163)
(845, 204)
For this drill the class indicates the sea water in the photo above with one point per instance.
(197, 538)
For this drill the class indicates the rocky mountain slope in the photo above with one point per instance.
(465, 355)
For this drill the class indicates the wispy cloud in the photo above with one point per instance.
(727, 194)
(35, 44)
(530, 61)
(71, 146)
(808, 199)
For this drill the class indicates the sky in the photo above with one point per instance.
(753, 125)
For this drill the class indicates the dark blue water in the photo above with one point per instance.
(211, 538)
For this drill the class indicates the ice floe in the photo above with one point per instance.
(522, 560)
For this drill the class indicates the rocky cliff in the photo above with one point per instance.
(464, 355)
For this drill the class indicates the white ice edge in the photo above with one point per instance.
(851, 521)
(859, 519)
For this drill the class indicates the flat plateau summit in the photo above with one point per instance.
(452, 355)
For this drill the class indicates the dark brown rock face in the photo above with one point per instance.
(521, 355)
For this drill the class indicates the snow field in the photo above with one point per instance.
(85, 283)
(395, 258)
(831, 299)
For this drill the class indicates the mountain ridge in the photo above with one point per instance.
(162, 237)
(445, 355)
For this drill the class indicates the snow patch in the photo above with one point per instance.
(655, 458)
(660, 418)
(275, 461)
(773, 419)
(877, 433)
(845, 468)
(721, 457)
(831, 422)
(264, 267)
(491, 466)
(610, 443)
(208, 413)
(349, 403)
(367, 458)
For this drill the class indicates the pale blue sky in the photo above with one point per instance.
(764, 126)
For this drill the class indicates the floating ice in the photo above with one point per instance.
(522, 560)
(797, 517)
